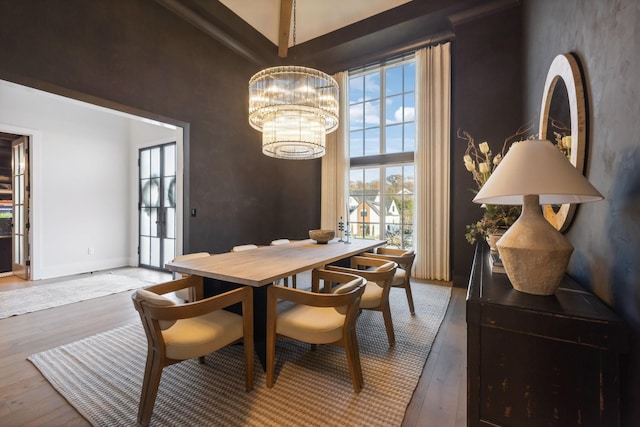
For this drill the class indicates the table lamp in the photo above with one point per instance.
(533, 172)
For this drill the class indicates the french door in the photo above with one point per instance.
(157, 205)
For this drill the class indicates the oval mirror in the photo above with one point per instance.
(563, 122)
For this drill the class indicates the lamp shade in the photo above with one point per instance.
(536, 167)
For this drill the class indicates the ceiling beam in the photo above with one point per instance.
(198, 21)
(284, 29)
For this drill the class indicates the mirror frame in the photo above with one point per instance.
(565, 67)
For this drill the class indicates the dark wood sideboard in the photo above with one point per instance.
(540, 360)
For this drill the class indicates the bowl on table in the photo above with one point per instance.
(322, 236)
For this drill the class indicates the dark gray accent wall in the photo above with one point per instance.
(138, 54)
(487, 99)
(604, 36)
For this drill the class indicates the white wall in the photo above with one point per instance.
(81, 180)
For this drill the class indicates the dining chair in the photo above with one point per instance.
(185, 294)
(404, 258)
(177, 332)
(379, 275)
(278, 242)
(317, 318)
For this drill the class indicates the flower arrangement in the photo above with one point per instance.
(480, 161)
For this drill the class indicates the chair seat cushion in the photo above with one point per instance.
(398, 278)
(315, 325)
(371, 296)
(198, 336)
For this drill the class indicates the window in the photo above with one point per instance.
(381, 147)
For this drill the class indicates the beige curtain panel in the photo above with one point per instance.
(432, 163)
(335, 164)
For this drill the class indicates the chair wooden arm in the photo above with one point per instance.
(366, 261)
(365, 274)
(393, 251)
(314, 299)
(328, 277)
(242, 295)
(404, 261)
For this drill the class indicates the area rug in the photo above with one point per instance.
(40, 297)
(101, 376)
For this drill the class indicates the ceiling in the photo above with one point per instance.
(314, 18)
(330, 34)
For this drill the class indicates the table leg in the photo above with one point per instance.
(215, 287)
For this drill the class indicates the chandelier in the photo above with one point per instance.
(294, 108)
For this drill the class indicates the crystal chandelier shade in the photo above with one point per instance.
(294, 108)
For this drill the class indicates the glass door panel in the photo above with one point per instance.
(157, 205)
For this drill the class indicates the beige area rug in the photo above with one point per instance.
(101, 376)
(40, 297)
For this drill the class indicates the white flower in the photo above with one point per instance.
(497, 159)
(483, 167)
(469, 163)
(471, 166)
(484, 147)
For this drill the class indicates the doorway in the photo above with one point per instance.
(157, 201)
(14, 205)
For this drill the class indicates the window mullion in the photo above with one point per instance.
(383, 201)
(383, 111)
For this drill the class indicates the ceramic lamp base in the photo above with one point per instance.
(534, 254)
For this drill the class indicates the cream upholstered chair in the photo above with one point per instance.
(278, 242)
(177, 332)
(317, 318)
(379, 274)
(404, 258)
(185, 294)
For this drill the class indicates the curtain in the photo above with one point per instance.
(432, 163)
(335, 165)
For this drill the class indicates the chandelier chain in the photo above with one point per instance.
(294, 22)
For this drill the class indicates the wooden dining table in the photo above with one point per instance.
(265, 265)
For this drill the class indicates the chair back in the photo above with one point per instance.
(241, 248)
(280, 242)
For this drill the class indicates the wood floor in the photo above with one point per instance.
(27, 399)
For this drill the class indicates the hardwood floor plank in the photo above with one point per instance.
(436, 399)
